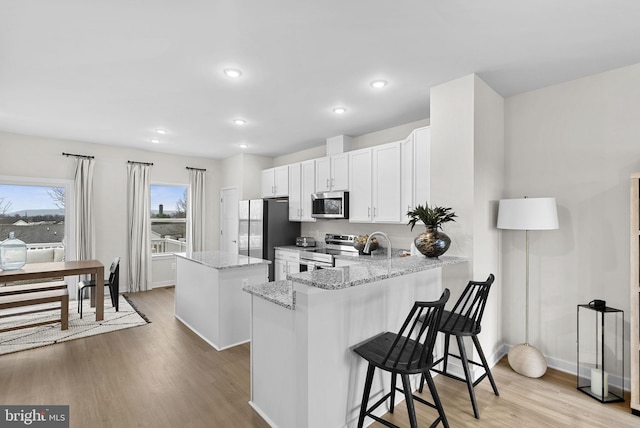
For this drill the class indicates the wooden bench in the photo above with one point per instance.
(28, 295)
(32, 288)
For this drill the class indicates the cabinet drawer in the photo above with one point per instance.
(292, 256)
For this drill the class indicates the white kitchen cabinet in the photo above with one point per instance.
(275, 182)
(286, 262)
(301, 186)
(360, 186)
(374, 180)
(415, 171)
(332, 173)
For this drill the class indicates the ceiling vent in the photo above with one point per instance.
(338, 144)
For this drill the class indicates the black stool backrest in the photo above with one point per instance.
(470, 305)
(413, 346)
(114, 271)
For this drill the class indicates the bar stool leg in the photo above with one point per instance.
(436, 399)
(406, 385)
(484, 363)
(446, 352)
(467, 375)
(393, 392)
(365, 395)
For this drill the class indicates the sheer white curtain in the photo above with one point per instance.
(84, 209)
(139, 226)
(196, 211)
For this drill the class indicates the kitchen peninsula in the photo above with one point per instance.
(209, 297)
(303, 372)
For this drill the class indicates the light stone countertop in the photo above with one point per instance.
(279, 292)
(362, 273)
(372, 270)
(223, 260)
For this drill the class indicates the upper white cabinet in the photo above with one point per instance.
(375, 184)
(275, 182)
(301, 186)
(415, 171)
(332, 173)
(360, 186)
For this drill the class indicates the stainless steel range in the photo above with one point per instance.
(335, 244)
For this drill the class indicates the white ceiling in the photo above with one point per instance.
(112, 71)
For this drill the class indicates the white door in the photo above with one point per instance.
(229, 220)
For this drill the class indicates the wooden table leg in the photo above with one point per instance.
(100, 293)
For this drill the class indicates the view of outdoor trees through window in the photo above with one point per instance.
(168, 219)
(34, 213)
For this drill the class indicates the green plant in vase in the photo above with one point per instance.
(433, 242)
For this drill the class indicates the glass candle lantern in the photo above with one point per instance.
(600, 360)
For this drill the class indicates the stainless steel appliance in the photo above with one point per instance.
(330, 205)
(319, 258)
(263, 225)
(305, 241)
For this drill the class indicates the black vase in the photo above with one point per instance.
(432, 243)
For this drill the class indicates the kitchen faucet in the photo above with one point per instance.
(368, 244)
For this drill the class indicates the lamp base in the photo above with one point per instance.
(527, 360)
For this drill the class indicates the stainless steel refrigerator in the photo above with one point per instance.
(263, 225)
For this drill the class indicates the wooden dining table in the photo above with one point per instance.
(58, 269)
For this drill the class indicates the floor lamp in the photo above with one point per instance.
(527, 214)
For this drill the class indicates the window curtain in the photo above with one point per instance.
(139, 227)
(195, 211)
(84, 209)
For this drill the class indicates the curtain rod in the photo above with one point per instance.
(77, 156)
(141, 163)
(196, 169)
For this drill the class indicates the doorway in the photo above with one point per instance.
(229, 220)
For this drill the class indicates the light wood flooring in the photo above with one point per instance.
(163, 375)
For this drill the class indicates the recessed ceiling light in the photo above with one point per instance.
(161, 131)
(232, 72)
(243, 146)
(339, 110)
(155, 141)
(239, 121)
(379, 84)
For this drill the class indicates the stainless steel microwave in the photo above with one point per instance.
(330, 205)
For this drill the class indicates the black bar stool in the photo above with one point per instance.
(408, 352)
(465, 320)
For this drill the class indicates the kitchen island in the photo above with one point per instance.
(209, 297)
(303, 372)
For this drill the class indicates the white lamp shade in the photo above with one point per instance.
(528, 214)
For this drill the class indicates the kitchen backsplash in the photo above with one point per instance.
(401, 235)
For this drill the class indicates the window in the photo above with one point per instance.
(168, 219)
(35, 213)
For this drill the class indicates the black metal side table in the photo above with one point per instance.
(600, 361)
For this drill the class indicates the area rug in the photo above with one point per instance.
(35, 337)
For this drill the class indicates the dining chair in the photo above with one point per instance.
(113, 282)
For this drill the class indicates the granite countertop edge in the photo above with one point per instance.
(279, 292)
(211, 259)
(333, 279)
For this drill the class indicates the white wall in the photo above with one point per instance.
(578, 142)
(467, 168)
(26, 156)
(244, 172)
